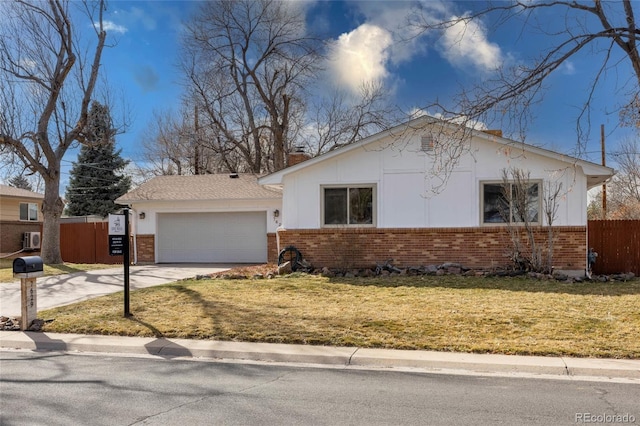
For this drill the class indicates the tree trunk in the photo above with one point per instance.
(52, 208)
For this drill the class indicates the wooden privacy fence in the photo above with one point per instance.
(617, 243)
(86, 243)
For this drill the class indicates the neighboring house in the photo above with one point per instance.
(204, 218)
(383, 198)
(20, 212)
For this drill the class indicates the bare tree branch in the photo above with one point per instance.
(45, 82)
(507, 98)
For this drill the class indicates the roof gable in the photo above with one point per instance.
(596, 174)
(199, 188)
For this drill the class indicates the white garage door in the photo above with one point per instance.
(212, 237)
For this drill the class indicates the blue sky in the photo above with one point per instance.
(365, 42)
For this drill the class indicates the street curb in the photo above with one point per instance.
(324, 355)
(481, 363)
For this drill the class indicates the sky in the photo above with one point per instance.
(370, 40)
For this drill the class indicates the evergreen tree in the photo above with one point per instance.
(96, 178)
(21, 182)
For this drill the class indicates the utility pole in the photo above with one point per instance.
(604, 185)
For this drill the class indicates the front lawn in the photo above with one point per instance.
(6, 269)
(449, 313)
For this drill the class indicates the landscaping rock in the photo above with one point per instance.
(327, 273)
(623, 277)
(560, 276)
(9, 324)
(284, 269)
(36, 325)
(368, 273)
(454, 270)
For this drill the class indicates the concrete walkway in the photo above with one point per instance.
(445, 362)
(65, 289)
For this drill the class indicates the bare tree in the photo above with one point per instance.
(339, 119)
(552, 192)
(246, 63)
(174, 145)
(167, 145)
(623, 191)
(519, 206)
(252, 69)
(47, 79)
(608, 28)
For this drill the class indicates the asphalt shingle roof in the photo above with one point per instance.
(10, 191)
(200, 187)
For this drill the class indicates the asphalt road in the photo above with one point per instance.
(67, 389)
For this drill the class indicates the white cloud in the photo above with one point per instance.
(360, 56)
(466, 43)
(110, 26)
(567, 68)
(394, 17)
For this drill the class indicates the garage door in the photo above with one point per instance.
(212, 237)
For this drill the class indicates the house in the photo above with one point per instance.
(204, 219)
(20, 213)
(413, 193)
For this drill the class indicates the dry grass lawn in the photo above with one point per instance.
(450, 313)
(6, 269)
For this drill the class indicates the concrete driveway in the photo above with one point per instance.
(65, 289)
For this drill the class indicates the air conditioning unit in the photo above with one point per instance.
(31, 241)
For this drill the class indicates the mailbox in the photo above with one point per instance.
(31, 265)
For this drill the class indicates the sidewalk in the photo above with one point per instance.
(578, 368)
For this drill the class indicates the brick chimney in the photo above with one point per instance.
(297, 156)
(497, 133)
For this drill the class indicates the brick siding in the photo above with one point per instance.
(146, 248)
(482, 247)
(272, 248)
(12, 234)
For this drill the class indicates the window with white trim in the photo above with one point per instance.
(29, 211)
(510, 204)
(348, 205)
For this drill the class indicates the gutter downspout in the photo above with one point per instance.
(278, 229)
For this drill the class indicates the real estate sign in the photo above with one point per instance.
(116, 234)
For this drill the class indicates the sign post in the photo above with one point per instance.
(119, 246)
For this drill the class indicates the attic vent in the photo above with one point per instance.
(427, 143)
(233, 176)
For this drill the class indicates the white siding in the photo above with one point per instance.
(404, 182)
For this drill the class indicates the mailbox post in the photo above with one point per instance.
(28, 268)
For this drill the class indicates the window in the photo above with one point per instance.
(348, 205)
(512, 205)
(29, 211)
(427, 143)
